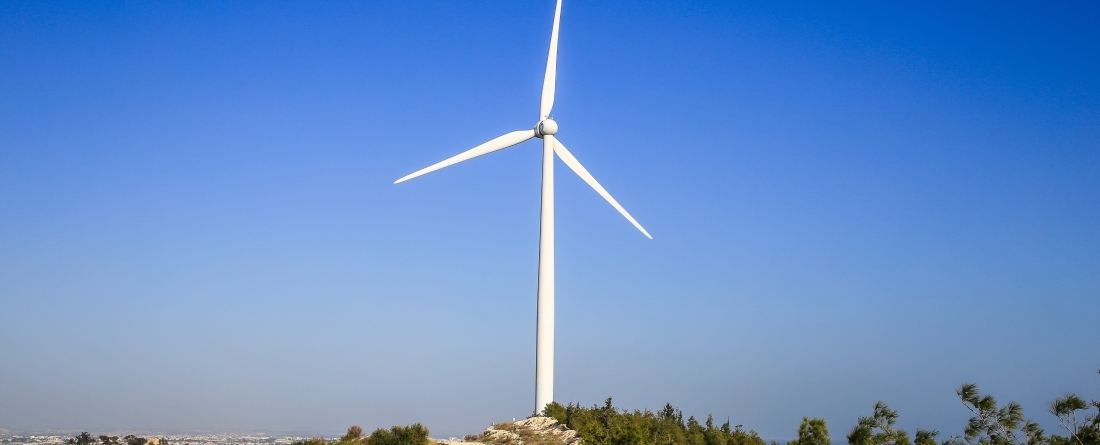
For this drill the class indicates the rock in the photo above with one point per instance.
(530, 431)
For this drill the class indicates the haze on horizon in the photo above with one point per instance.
(850, 202)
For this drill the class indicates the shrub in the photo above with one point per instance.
(812, 432)
(414, 434)
(82, 439)
(354, 433)
(606, 425)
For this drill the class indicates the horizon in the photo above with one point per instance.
(849, 203)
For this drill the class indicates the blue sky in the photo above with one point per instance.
(849, 202)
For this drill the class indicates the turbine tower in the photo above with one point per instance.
(545, 130)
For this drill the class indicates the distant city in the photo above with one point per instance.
(171, 439)
(9, 437)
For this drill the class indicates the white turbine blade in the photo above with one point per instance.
(574, 164)
(505, 141)
(550, 80)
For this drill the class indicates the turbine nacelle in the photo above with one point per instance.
(546, 127)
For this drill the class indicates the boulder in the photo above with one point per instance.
(530, 431)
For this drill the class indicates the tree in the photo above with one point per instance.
(925, 437)
(134, 440)
(878, 429)
(607, 425)
(1083, 433)
(109, 440)
(414, 434)
(354, 433)
(82, 439)
(993, 425)
(812, 432)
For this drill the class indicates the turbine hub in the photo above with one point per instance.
(546, 127)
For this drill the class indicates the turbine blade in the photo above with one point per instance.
(505, 141)
(579, 169)
(550, 80)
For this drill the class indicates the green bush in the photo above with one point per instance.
(812, 432)
(607, 425)
(414, 434)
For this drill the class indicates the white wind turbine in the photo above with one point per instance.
(545, 129)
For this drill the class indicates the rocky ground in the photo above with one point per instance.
(532, 431)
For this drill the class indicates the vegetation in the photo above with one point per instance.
(85, 438)
(878, 429)
(134, 440)
(1087, 432)
(82, 439)
(990, 424)
(812, 432)
(606, 425)
(414, 434)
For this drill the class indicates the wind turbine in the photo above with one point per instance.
(545, 130)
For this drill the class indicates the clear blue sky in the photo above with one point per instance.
(850, 202)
